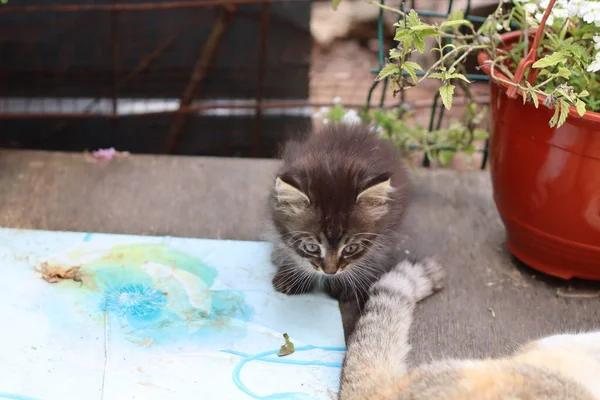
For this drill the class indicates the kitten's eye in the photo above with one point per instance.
(351, 249)
(312, 248)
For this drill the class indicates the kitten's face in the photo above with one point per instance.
(333, 236)
(329, 255)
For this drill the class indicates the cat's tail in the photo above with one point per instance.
(375, 361)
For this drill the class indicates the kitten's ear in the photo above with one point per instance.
(378, 193)
(291, 199)
(375, 198)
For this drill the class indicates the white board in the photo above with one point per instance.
(157, 318)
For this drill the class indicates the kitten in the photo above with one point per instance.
(557, 367)
(335, 212)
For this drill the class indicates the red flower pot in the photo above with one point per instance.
(546, 182)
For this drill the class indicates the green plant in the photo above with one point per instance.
(400, 126)
(566, 70)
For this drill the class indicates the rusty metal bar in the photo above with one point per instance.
(136, 6)
(419, 104)
(262, 64)
(207, 55)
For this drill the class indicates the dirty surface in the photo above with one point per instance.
(452, 216)
(56, 273)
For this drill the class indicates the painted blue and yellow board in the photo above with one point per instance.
(137, 317)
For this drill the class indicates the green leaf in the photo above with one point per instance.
(580, 107)
(550, 60)
(445, 156)
(388, 70)
(437, 75)
(450, 45)
(335, 4)
(584, 93)
(535, 99)
(480, 134)
(554, 118)
(287, 348)
(413, 19)
(564, 113)
(419, 44)
(576, 50)
(395, 54)
(455, 22)
(425, 30)
(563, 72)
(422, 27)
(410, 67)
(458, 76)
(447, 92)
(402, 34)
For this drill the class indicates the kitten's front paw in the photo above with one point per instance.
(290, 283)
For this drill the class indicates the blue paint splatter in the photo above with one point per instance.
(150, 309)
(10, 396)
(87, 237)
(263, 357)
(134, 300)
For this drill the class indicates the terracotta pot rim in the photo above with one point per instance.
(510, 37)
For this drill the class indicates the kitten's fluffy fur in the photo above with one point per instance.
(558, 367)
(335, 210)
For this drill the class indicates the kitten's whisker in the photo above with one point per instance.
(294, 277)
(362, 284)
(353, 287)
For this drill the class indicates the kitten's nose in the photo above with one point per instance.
(330, 270)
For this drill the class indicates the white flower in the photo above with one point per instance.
(336, 100)
(590, 12)
(322, 113)
(540, 15)
(585, 8)
(597, 42)
(594, 66)
(376, 129)
(351, 117)
(531, 8)
(560, 13)
(574, 6)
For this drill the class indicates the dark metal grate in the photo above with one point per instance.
(186, 77)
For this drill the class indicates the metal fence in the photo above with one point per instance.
(206, 77)
(202, 77)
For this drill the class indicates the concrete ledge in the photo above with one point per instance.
(452, 216)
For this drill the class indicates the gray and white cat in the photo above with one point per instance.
(559, 367)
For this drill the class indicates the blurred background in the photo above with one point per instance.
(201, 77)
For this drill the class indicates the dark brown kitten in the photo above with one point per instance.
(336, 207)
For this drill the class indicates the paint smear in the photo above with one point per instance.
(152, 294)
